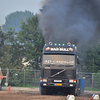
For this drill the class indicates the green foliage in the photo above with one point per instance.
(12, 54)
(6, 58)
(16, 78)
(92, 59)
(20, 77)
(27, 44)
(31, 40)
(96, 79)
(1, 41)
(1, 45)
(14, 20)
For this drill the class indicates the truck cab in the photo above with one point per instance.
(58, 70)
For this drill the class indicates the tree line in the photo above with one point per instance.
(16, 48)
(25, 44)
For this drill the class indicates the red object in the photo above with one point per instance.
(41, 79)
(3, 76)
(9, 88)
(48, 48)
(91, 98)
(70, 49)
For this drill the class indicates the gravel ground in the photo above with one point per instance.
(18, 93)
(20, 89)
(24, 89)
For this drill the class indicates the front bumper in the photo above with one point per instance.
(46, 84)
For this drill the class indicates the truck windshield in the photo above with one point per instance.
(59, 59)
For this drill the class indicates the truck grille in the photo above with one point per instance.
(68, 73)
(54, 71)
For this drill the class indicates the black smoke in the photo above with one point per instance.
(76, 21)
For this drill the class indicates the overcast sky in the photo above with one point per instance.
(9, 6)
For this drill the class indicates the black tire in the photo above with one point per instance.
(49, 92)
(43, 91)
(77, 92)
(67, 92)
(72, 91)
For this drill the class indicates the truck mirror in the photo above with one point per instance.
(78, 62)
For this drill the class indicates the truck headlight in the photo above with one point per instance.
(44, 80)
(44, 84)
(71, 81)
(71, 84)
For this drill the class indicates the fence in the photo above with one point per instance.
(17, 77)
(92, 80)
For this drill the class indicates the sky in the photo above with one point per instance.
(9, 6)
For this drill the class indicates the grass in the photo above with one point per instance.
(28, 86)
(91, 89)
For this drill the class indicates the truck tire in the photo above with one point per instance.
(77, 90)
(72, 91)
(43, 91)
(49, 92)
(77, 93)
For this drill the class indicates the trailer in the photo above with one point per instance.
(59, 69)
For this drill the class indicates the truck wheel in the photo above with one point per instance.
(49, 92)
(72, 91)
(77, 93)
(43, 91)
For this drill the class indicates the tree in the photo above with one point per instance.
(14, 20)
(5, 57)
(1, 45)
(92, 59)
(31, 40)
(12, 57)
(27, 44)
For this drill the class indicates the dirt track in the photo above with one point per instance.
(34, 94)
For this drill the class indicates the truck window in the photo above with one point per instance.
(59, 59)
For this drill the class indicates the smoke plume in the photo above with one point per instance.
(76, 21)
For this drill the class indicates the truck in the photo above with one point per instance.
(59, 69)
